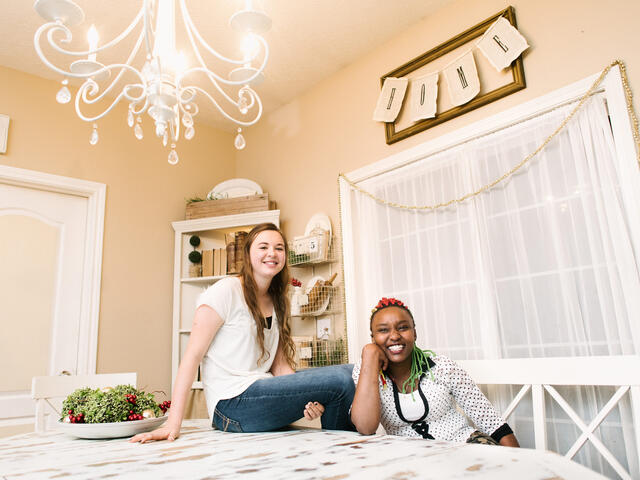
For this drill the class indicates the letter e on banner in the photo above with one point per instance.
(390, 99)
(462, 79)
(502, 44)
(423, 96)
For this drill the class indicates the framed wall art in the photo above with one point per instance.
(476, 67)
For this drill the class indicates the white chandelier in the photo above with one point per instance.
(161, 86)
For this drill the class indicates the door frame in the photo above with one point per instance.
(95, 193)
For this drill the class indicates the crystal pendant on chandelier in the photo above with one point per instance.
(173, 156)
(165, 138)
(138, 130)
(94, 135)
(130, 119)
(243, 105)
(189, 133)
(64, 95)
(240, 142)
(187, 120)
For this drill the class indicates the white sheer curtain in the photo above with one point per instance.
(541, 266)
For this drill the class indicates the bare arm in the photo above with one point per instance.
(206, 324)
(280, 366)
(509, 441)
(365, 410)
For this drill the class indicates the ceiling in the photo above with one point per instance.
(309, 39)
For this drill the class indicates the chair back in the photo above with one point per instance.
(540, 376)
(50, 392)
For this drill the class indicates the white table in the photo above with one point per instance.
(201, 452)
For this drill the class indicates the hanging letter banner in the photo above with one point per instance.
(502, 44)
(390, 99)
(462, 79)
(424, 93)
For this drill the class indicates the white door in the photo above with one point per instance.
(44, 242)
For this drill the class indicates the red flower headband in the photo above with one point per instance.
(388, 302)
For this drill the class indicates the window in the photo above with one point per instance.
(543, 264)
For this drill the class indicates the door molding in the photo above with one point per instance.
(95, 193)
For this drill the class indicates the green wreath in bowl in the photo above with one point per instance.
(121, 403)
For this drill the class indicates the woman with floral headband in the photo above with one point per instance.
(414, 392)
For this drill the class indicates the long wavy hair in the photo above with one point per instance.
(277, 291)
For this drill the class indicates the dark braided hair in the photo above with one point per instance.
(419, 357)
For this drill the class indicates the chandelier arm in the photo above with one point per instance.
(229, 117)
(147, 25)
(212, 77)
(190, 26)
(84, 53)
(145, 105)
(122, 70)
(224, 80)
(122, 67)
(82, 92)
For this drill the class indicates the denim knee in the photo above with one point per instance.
(344, 382)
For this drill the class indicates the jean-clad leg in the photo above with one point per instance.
(273, 403)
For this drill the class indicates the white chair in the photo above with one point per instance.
(51, 391)
(539, 375)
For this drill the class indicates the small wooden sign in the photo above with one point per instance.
(229, 206)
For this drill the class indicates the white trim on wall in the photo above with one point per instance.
(90, 295)
(622, 133)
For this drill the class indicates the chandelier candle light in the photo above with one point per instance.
(161, 85)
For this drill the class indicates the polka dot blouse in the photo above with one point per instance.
(450, 385)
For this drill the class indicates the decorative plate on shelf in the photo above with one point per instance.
(319, 220)
(236, 187)
(111, 430)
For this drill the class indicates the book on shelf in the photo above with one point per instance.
(241, 237)
(230, 241)
(207, 263)
(223, 261)
(216, 261)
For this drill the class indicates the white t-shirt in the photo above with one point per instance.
(231, 365)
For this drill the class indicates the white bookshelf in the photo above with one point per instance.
(211, 231)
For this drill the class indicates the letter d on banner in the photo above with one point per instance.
(462, 79)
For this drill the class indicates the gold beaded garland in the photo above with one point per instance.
(585, 97)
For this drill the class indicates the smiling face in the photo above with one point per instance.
(393, 330)
(267, 253)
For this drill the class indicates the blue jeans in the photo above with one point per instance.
(273, 403)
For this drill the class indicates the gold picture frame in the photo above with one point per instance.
(516, 70)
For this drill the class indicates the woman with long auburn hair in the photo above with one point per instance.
(242, 335)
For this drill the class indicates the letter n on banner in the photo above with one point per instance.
(390, 99)
(462, 79)
(424, 93)
(502, 44)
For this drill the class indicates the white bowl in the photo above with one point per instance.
(111, 430)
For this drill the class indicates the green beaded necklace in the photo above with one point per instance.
(419, 359)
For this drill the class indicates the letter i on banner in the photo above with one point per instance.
(502, 44)
(424, 93)
(462, 79)
(390, 99)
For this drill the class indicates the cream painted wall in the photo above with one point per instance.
(297, 152)
(144, 195)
